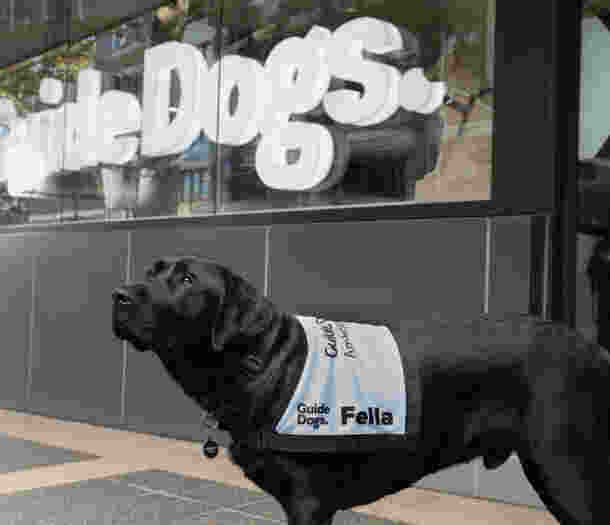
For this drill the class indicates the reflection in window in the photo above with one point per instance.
(26, 12)
(406, 156)
(407, 116)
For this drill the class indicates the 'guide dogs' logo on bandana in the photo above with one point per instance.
(336, 337)
(313, 415)
(372, 416)
(352, 382)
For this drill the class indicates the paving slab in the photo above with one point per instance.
(19, 454)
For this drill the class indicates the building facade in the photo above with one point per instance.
(373, 158)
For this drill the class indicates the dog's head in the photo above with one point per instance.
(185, 301)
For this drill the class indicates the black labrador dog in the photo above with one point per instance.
(488, 388)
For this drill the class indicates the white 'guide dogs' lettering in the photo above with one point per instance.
(295, 78)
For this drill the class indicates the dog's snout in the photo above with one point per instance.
(122, 296)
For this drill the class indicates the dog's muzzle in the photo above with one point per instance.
(127, 322)
(123, 307)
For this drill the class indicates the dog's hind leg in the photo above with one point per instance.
(563, 434)
(563, 490)
(559, 460)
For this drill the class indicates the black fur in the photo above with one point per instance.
(488, 388)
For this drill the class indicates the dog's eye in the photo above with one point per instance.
(187, 279)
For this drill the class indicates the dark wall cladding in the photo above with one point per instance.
(76, 363)
(380, 270)
(16, 259)
(510, 258)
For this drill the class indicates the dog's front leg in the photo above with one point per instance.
(292, 486)
(307, 511)
(291, 483)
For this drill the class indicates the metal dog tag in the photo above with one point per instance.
(210, 447)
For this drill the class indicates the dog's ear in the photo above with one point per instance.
(242, 310)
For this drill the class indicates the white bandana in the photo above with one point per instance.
(352, 383)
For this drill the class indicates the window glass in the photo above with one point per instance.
(594, 132)
(353, 141)
(293, 105)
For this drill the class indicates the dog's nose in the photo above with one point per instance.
(121, 296)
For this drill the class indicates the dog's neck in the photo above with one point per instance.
(255, 367)
(261, 353)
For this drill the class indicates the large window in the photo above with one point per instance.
(203, 108)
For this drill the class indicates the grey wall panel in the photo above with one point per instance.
(509, 291)
(154, 403)
(415, 270)
(76, 362)
(16, 253)
(459, 479)
(384, 270)
(507, 483)
(510, 265)
(242, 249)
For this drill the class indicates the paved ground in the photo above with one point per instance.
(54, 472)
(150, 497)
